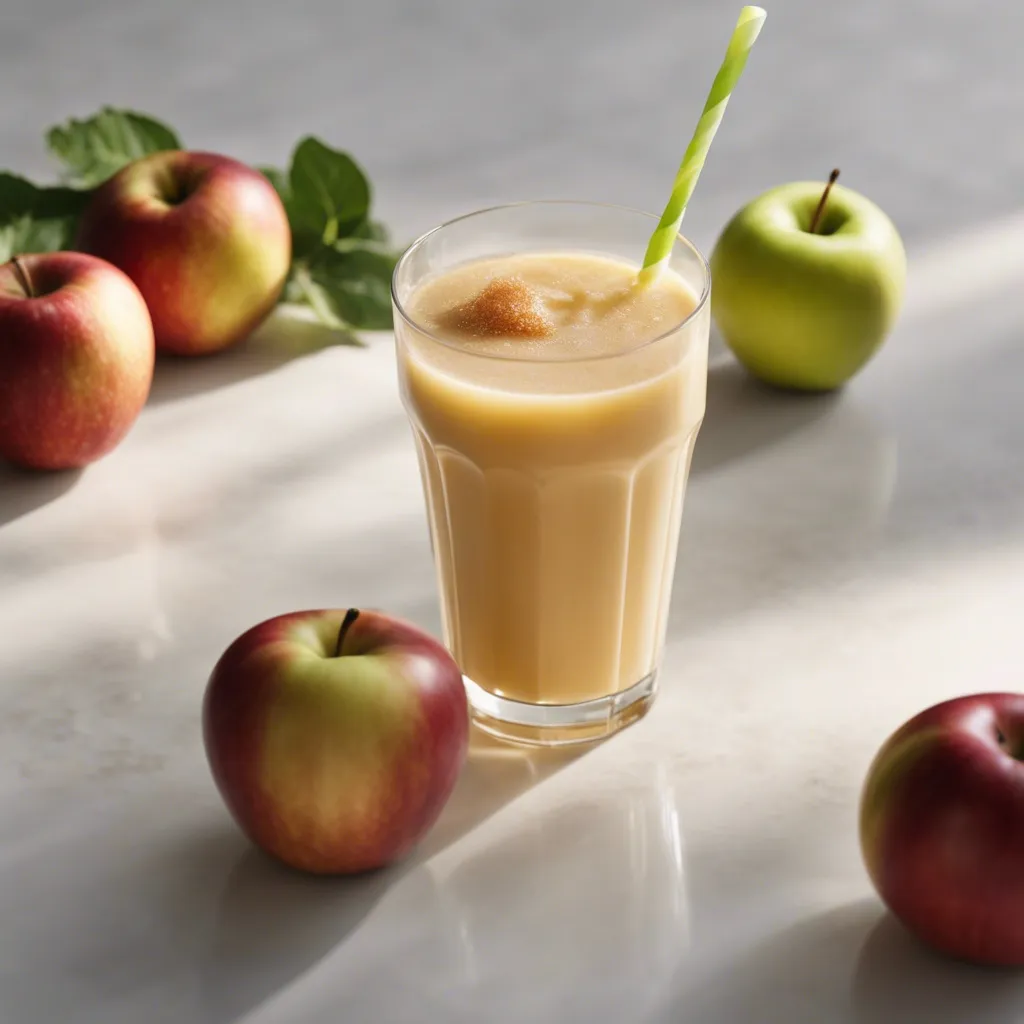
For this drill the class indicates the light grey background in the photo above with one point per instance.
(450, 104)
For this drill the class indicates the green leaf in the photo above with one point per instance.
(23, 234)
(96, 148)
(61, 202)
(293, 290)
(348, 245)
(17, 196)
(305, 239)
(330, 195)
(372, 230)
(36, 219)
(279, 180)
(354, 284)
(316, 298)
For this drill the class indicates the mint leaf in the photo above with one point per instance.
(96, 148)
(330, 195)
(353, 287)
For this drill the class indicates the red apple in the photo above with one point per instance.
(76, 359)
(204, 237)
(942, 827)
(335, 737)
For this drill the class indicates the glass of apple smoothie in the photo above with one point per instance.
(555, 397)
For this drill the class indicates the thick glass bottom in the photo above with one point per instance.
(548, 725)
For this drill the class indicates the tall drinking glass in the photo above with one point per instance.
(554, 482)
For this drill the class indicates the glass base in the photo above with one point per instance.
(548, 725)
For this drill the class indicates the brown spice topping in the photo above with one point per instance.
(506, 308)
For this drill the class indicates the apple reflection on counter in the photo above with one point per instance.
(579, 897)
(560, 902)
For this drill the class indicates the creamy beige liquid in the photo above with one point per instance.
(555, 468)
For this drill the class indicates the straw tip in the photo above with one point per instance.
(751, 21)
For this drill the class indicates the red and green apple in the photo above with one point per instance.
(942, 827)
(76, 359)
(335, 737)
(205, 238)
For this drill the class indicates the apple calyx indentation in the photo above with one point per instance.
(346, 624)
(820, 209)
(22, 275)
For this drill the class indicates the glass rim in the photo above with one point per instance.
(414, 246)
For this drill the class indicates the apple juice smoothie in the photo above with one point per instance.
(555, 402)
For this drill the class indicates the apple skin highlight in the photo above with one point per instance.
(335, 765)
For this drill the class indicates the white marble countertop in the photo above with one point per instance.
(846, 560)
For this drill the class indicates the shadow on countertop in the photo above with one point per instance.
(853, 964)
(286, 335)
(787, 492)
(24, 490)
(744, 415)
(797, 975)
(274, 924)
(900, 981)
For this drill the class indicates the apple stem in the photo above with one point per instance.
(823, 200)
(21, 273)
(350, 616)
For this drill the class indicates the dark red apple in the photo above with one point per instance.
(76, 359)
(335, 737)
(942, 827)
(205, 238)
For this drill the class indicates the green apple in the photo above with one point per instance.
(800, 308)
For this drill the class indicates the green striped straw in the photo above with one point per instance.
(659, 249)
